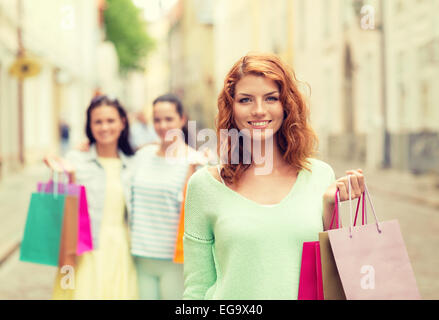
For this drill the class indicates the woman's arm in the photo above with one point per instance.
(60, 165)
(199, 265)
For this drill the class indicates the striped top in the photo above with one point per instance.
(157, 187)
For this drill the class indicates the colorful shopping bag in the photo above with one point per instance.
(310, 282)
(85, 242)
(42, 233)
(372, 260)
(178, 255)
(69, 237)
(332, 287)
(69, 234)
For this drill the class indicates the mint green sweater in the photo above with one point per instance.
(235, 248)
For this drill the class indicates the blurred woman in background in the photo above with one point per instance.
(161, 173)
(107, 272)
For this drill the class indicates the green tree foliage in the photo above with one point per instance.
(126, 29)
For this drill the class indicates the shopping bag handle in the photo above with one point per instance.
(336, 212)
(67, 177)
(366, 191)
(363, 210)
(55, 183)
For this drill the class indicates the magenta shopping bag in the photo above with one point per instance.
(311, 277)
(85, 242)
(310, 283)
(372, 261)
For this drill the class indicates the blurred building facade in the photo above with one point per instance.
(66, 38)
(251, 26)
(372, 66)
(157, 71)
(367, 68)
(318, 39)
(413, 84)
(340, 59)
(192, 58)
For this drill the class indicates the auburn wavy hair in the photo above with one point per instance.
(296, 139)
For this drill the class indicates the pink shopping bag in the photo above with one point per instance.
(372, 261)
(85, 242)
(310, 283)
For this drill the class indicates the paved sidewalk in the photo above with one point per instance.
(20, 280)
(15, 192)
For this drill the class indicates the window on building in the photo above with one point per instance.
(326, 17)
(348, 91)
(401, 104)
(425, 103)
(425, 61)
(401, 90)
(347, 13)
(399, 5)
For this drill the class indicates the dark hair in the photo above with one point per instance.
(169, 97)
(123, 143)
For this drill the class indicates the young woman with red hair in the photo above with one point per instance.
(245, 224)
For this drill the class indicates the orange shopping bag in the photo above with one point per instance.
(178, 255)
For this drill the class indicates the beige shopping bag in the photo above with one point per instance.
(372, 261)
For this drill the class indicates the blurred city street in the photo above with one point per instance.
(414, 202)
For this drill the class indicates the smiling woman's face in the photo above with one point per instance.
(257, 107)
(166, 118)
(106, 125)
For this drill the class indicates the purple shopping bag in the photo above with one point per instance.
(85, 242)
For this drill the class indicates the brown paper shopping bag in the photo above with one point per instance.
(332, 287)
(69, 236)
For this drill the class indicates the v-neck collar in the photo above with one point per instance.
(293, 190)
